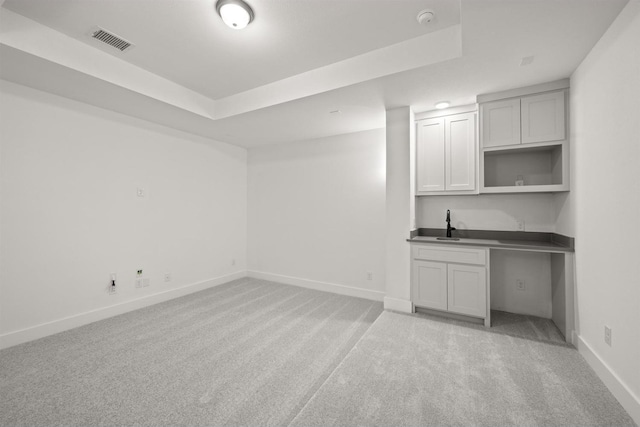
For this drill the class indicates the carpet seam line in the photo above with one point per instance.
(335, 369)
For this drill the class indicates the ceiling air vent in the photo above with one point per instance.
(111, 39)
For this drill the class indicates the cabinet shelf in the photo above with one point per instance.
(526, 189)
(521, 147)
(542, 168)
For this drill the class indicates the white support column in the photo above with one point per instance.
(400, 209)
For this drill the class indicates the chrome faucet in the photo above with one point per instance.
(449, 227)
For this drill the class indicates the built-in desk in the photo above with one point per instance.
(560, 248)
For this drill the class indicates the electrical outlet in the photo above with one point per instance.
(111, 288)
(607, 335)
(369, 275)
(520, 225)
(138, 282)
(146, 282)
(520, 285)
(140, 192)
(167, 277)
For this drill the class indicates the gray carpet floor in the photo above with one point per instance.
(531, 327)
(258, 353)
(418, 370)
(248, 353)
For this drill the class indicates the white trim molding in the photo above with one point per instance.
(319, 286)
(49, 328)
(629, 401)
(396, 304)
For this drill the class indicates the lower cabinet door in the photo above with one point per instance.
(467, 285)
(429, 287)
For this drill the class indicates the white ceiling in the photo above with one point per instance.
(185, 41)
(278, 80)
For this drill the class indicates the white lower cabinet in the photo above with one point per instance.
(467, 286)
(449, 286)
(430, 284)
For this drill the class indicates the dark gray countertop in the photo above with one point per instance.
(517, 240)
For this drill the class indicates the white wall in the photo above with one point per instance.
(603, 209)
(316, 213)
(400, 206)
(534, 268)
(488, 212)
(70, 214)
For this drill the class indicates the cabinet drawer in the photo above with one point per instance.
(443, 253)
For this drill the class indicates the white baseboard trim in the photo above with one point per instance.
(629, 401)
(396, 304)
(49, 328)
(318, 286)
(574, 338)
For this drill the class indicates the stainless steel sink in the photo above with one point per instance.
(447, 238)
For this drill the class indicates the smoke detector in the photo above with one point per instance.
(425, 16)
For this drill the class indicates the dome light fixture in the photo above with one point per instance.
(235, 13)
(442, 105)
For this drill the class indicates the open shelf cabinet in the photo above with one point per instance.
(540, 167)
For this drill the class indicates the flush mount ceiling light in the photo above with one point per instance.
(425, 16)
(235, 13)
(442, 105)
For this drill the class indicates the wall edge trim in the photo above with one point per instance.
(397, 304)
(334, 288)
(629, 401)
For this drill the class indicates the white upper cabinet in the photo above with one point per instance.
(524, 146)
(525, 120)
(460, 152)
(430, 155)
(543, 117)
(446, 155)
(500, 123)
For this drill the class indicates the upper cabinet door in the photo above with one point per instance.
(460, 154)
(543, 117)
(500, 123)
(430, 155)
